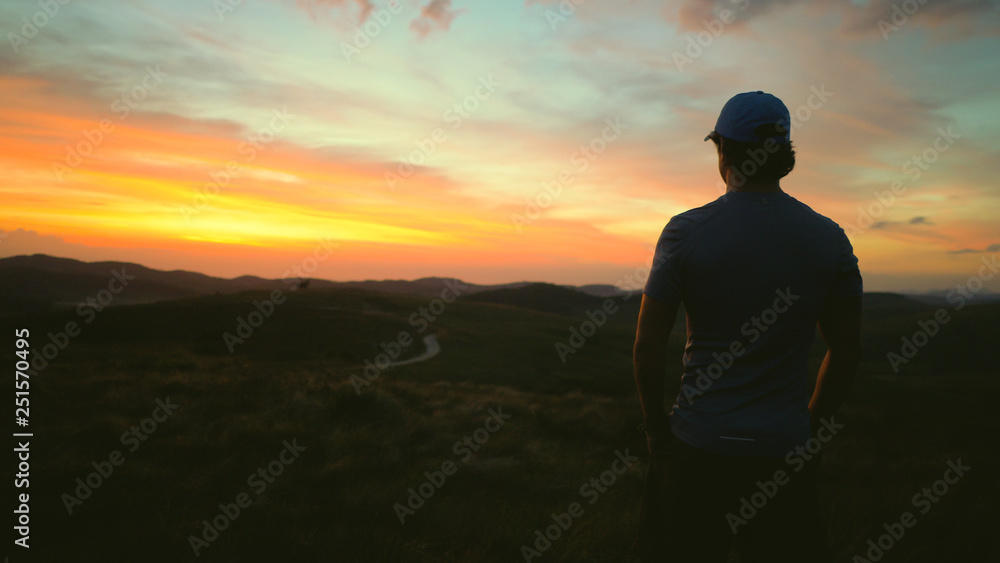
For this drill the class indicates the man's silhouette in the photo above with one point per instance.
(757, 271)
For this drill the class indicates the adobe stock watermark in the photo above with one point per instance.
(132, 438)
(817, 98)
(753, 330)
(929, 328)
(758, 156)
(32, 26)
(588, 328)
(420, 320)
(913, 168)
(698, 42)
(591, 490)
(377, 21)
(796, 458)
(262, 310)
(456, 115)
(581, 160)
(122, 107)
(248, 149)
(87, 310)
(597, 318)
(900, 14)
(223, 7)
(924, 500)
(565, 10)
(469, 444)
(259, 481)
(636, 279)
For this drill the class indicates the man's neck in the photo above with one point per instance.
(770, 188)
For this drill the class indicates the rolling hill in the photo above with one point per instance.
(41, 282)
(307, 371)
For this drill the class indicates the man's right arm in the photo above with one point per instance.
(840, 327)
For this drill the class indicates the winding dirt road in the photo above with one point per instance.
(432, 350)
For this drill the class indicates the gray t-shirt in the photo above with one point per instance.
(754, 272)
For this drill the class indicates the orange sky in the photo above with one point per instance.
(233, 143)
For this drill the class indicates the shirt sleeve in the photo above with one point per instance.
(664, 280)
(849, 283)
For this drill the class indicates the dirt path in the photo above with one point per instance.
(432, 350)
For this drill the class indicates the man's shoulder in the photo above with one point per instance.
(694, 216)
(821, 221)
(698, 217)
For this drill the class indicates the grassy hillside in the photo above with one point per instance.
(541, 297)
(366, 444)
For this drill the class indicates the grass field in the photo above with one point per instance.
(291, 382)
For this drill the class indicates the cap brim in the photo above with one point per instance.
(711, 135)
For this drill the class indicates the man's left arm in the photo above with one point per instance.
(649, 356)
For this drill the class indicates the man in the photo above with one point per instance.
(757, 271)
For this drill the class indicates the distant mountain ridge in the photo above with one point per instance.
(40, 281)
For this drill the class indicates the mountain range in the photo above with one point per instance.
(40, 282)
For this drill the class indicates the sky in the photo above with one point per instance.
(489, 141)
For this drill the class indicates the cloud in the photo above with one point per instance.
(856, 18)
(878, 15)
(316, 8)
(435, 15)
(919, 220)
(692, 14)
(990, 248)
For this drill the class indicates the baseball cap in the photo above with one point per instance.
(752, 117)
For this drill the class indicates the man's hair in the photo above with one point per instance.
(764, 161)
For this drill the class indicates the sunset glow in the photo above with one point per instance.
(493, 142)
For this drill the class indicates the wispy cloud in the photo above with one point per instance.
(920, 220)
(990, 248)
(437, 15)
(319, 9)
(966, 16)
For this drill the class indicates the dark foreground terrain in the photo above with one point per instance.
(323, 457)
